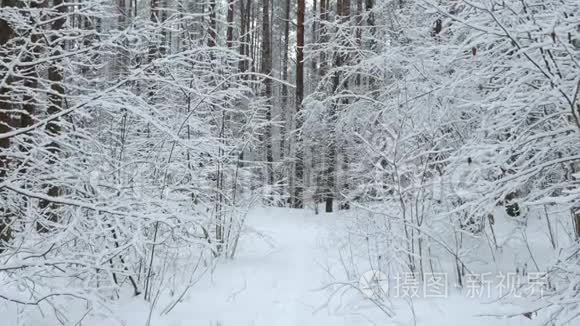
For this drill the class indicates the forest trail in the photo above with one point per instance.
(279, 275)
(275, 280)
(280, 278)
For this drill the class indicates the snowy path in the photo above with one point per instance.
(274, 281)
(276, 278)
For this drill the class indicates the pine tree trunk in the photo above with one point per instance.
(212, 28)
(321, 176)
(6, 217)
(154, 18)
(371, 21)
(56, 101)
(266, 70)
(344, 150)
(332, 120)
(314, 30)
(284, 91)
(359, 30)
(253, 40)
(343, 14)
(322, 37)
(575, 212)
(30, 79)
(245, 20)
(121, 62)
(298, 198)
(230, 20)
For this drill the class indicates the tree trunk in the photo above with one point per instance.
(253, 39)
(122, 61)
(359, 30)
(284, 92)
(313, 62)
(298, 200)
(332, 119)
(371, 22)
(344, 150)
(322, 37)
(245, 38)
(576, 219)
(6, 217)
(285, 98)
(154, 18)
(266, 70)
(230, 19)
(30, 78)
(212, 28)
(56, 101)
(346, 9)
(343, 13)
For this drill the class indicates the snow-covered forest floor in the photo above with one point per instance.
(292, 270)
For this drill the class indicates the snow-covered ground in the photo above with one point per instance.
(281, 277)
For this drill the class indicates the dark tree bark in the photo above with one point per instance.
(6, 217)
(371, 21)
(56, 102)
(314, 30)
(575, 212)
(30, 77)
(212, 28)
(253, 40)
(230, 20)
(298, 198)
(154, 18)
(321, 177)
(322, 37)
(359, 24)
(284, 92)
(122, 59)
(343, 13)
(344, 143)
(245, 20)
(330, 172)
(266, 70)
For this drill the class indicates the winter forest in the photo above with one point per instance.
(289, 162)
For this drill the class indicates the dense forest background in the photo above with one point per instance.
(135, 136)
